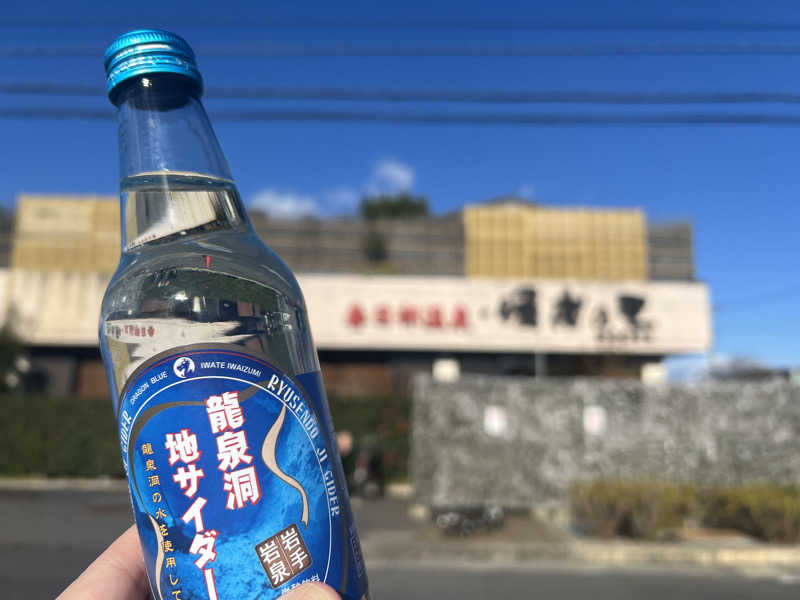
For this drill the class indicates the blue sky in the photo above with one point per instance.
(739, 185)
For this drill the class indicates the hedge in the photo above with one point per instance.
(631, 509)
(658, 510)
(58, 437)
(767, 512)
(76, 437)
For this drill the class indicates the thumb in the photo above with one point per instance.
(312, 591)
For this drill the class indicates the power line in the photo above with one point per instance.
(441, 95)
(512, 96)
(444, 50)
(422, 118)
(188, 22)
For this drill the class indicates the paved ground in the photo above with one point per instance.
(568, 584)
(48, 537)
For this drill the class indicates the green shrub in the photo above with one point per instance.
(76, 437)
(767, 512)
(638, 510)
(381, 422)
(58, 437)
(650, 511)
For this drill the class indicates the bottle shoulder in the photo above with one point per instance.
(218, 288)
(234, 255)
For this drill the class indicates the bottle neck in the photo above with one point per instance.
(174, 177)
(163, 127)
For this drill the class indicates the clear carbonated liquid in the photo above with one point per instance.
(195, 272)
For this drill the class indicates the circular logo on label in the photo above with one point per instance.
(183, 367)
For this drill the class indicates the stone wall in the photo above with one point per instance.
(519, 441)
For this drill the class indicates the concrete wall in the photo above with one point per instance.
(671, 255)
(522, 441)
(424, 246)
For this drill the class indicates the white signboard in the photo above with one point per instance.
(495, 421)
(506, 315)
(419, 313)
(594, 419)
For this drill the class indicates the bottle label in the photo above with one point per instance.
(236, 484)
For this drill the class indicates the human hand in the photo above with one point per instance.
(118, 574)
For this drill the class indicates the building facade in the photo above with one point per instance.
(69, 233)
(670, 252)
(508, 238)
(512, 238)
(418, 246)
(551, 296)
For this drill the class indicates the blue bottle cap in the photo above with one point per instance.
(148, 51)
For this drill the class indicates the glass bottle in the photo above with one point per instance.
(226, 435)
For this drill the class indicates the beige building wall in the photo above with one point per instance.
(66, 233)
(431, 314)
(507, 239)
(516, 239)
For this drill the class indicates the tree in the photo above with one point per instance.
(393, 206)
(375, 247)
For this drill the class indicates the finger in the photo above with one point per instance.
(117, 573)
(313, 591)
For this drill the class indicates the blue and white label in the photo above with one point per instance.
(236, 484)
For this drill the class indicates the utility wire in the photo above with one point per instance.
(187, 21)
(421, 118)
(441, 95)
(452, 50)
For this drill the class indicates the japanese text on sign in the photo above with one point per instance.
(427, 317)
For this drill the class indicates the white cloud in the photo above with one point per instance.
(343, 198)
(284, 205)
(390, 176)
